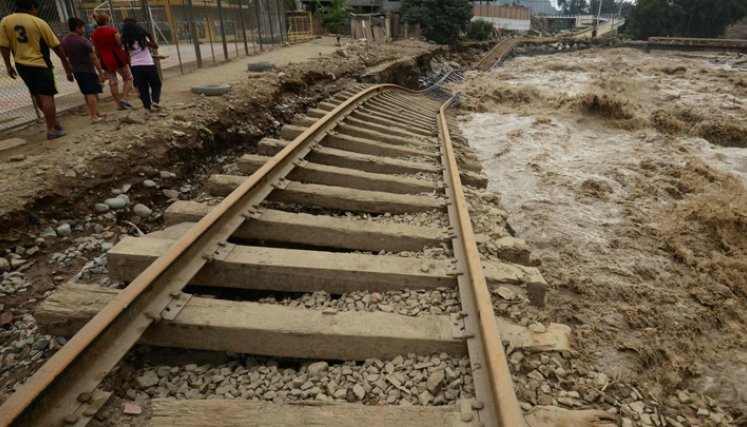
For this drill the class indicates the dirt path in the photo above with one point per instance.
(177, 89)
(613, 165)
(42, 178)
(51, 227)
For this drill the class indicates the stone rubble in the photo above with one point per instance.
(440, 301)
(23, 346)
(438, 379)
(552, 378)
(436, 219)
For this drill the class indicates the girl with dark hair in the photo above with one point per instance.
(138, 43)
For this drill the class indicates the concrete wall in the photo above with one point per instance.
(486, 10)
(504, 17)
(508, 24)
(376, 5)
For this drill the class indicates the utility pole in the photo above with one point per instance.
(596, 22)
(619, 18)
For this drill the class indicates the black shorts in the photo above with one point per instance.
(39, 80)
(88, 83)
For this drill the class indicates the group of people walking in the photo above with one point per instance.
(109, 55)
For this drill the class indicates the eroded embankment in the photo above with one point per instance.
(63, 181)
(200, 139)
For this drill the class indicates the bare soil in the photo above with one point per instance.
(626, 172)
(60, 181)
(53, 177)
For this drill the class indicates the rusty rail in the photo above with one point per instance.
(64, 389)
(497, 54)
(490, 368)
(682, 41)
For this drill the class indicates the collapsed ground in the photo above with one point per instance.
(626, 172)
(643, 283)
(54, 214)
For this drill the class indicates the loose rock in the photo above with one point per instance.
(315, 369)
(171, 194)
(132, 409)
(359, 392)
(116, 203)
(142, 211)
(148, 379)
(64, 230)
(434, 381)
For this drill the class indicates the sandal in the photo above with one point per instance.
(97, 120)
(57, 127)
(54, 135)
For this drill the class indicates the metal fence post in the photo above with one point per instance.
(281, 20)
(269, 21)
(222, 29)
(235, 33)
(208, 31)
(193, 30)
(36, 108)
(259, 24)
(111, 13)
(145, 7)
(243, 26)
(174, 35)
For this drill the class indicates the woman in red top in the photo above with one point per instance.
(108, 44)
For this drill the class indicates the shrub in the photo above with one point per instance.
(332, 16)
(441, 20)
(479, 29)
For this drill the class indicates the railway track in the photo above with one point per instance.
(497, 54)
(323, 208)
(694, 43)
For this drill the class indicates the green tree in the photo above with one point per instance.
(333, 15)
(479, 29)
(684, 18)
(707, 18)
(441, 20)
(651, 18)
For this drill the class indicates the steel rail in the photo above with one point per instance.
(685, 41)
(502, 48)
(483, 338)
(60, 392)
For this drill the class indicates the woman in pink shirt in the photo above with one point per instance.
(138, 43)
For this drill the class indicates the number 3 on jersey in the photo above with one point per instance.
(21, 32)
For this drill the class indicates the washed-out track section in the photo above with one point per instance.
(695, 43)
(373, 152)
(497, 53)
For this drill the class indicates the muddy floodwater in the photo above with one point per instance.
(626, 172)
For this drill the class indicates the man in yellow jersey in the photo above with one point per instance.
(30, 39)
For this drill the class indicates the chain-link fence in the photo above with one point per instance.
(191, 34)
